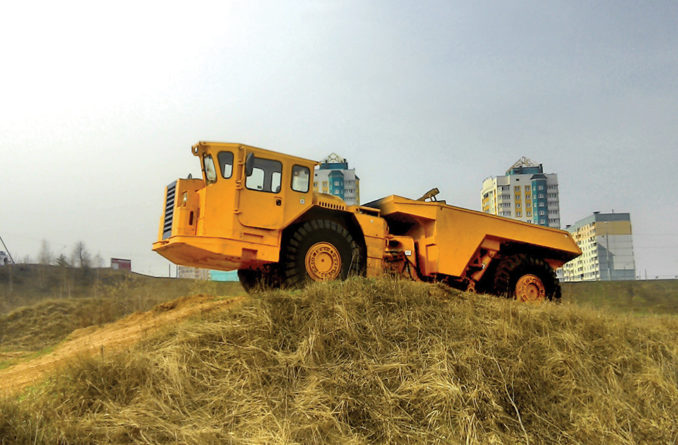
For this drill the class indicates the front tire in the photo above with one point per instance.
(527, 279)
(319, 250)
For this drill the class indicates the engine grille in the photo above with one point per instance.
(334, 205)
(169, 210)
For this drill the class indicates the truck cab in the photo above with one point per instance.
(233, 216)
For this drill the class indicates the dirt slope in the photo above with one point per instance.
(109, 338)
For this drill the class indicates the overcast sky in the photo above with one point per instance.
(101, 102)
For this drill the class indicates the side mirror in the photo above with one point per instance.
(249, 164)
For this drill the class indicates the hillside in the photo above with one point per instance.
(368, 361)
(27, 284)
(113, 337)
(638, 297)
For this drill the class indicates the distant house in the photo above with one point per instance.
(121, 264)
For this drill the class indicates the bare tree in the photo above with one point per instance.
(45, 256)
(62, 261)
(81, 257)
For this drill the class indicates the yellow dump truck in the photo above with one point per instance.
(256, 211)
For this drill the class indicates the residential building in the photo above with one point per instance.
(334, 177)
(525, 192)
(606, 242)
(121, 264)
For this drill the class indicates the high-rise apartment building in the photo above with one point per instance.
(334, 177)
(525, 192)
(606, 242)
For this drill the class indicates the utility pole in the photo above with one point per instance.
(6, 249)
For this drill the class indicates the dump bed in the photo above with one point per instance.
(447, 237)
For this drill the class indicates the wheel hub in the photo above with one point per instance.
(530, 288)
(323, 262)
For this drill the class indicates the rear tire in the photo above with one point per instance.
(526, 278)
(319, 250)
(257, 280)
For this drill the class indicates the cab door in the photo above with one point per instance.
(261, 202)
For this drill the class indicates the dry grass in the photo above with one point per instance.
(32, 330)
(369, 361)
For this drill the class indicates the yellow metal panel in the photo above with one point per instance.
(448, 236)
(374, 230)
(215, 253)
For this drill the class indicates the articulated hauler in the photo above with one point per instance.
(256, 211)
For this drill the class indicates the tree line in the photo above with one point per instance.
(80, 257)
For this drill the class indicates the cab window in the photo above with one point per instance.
(225, 159)
(210, 170)
(300, 178)
(266, 176)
